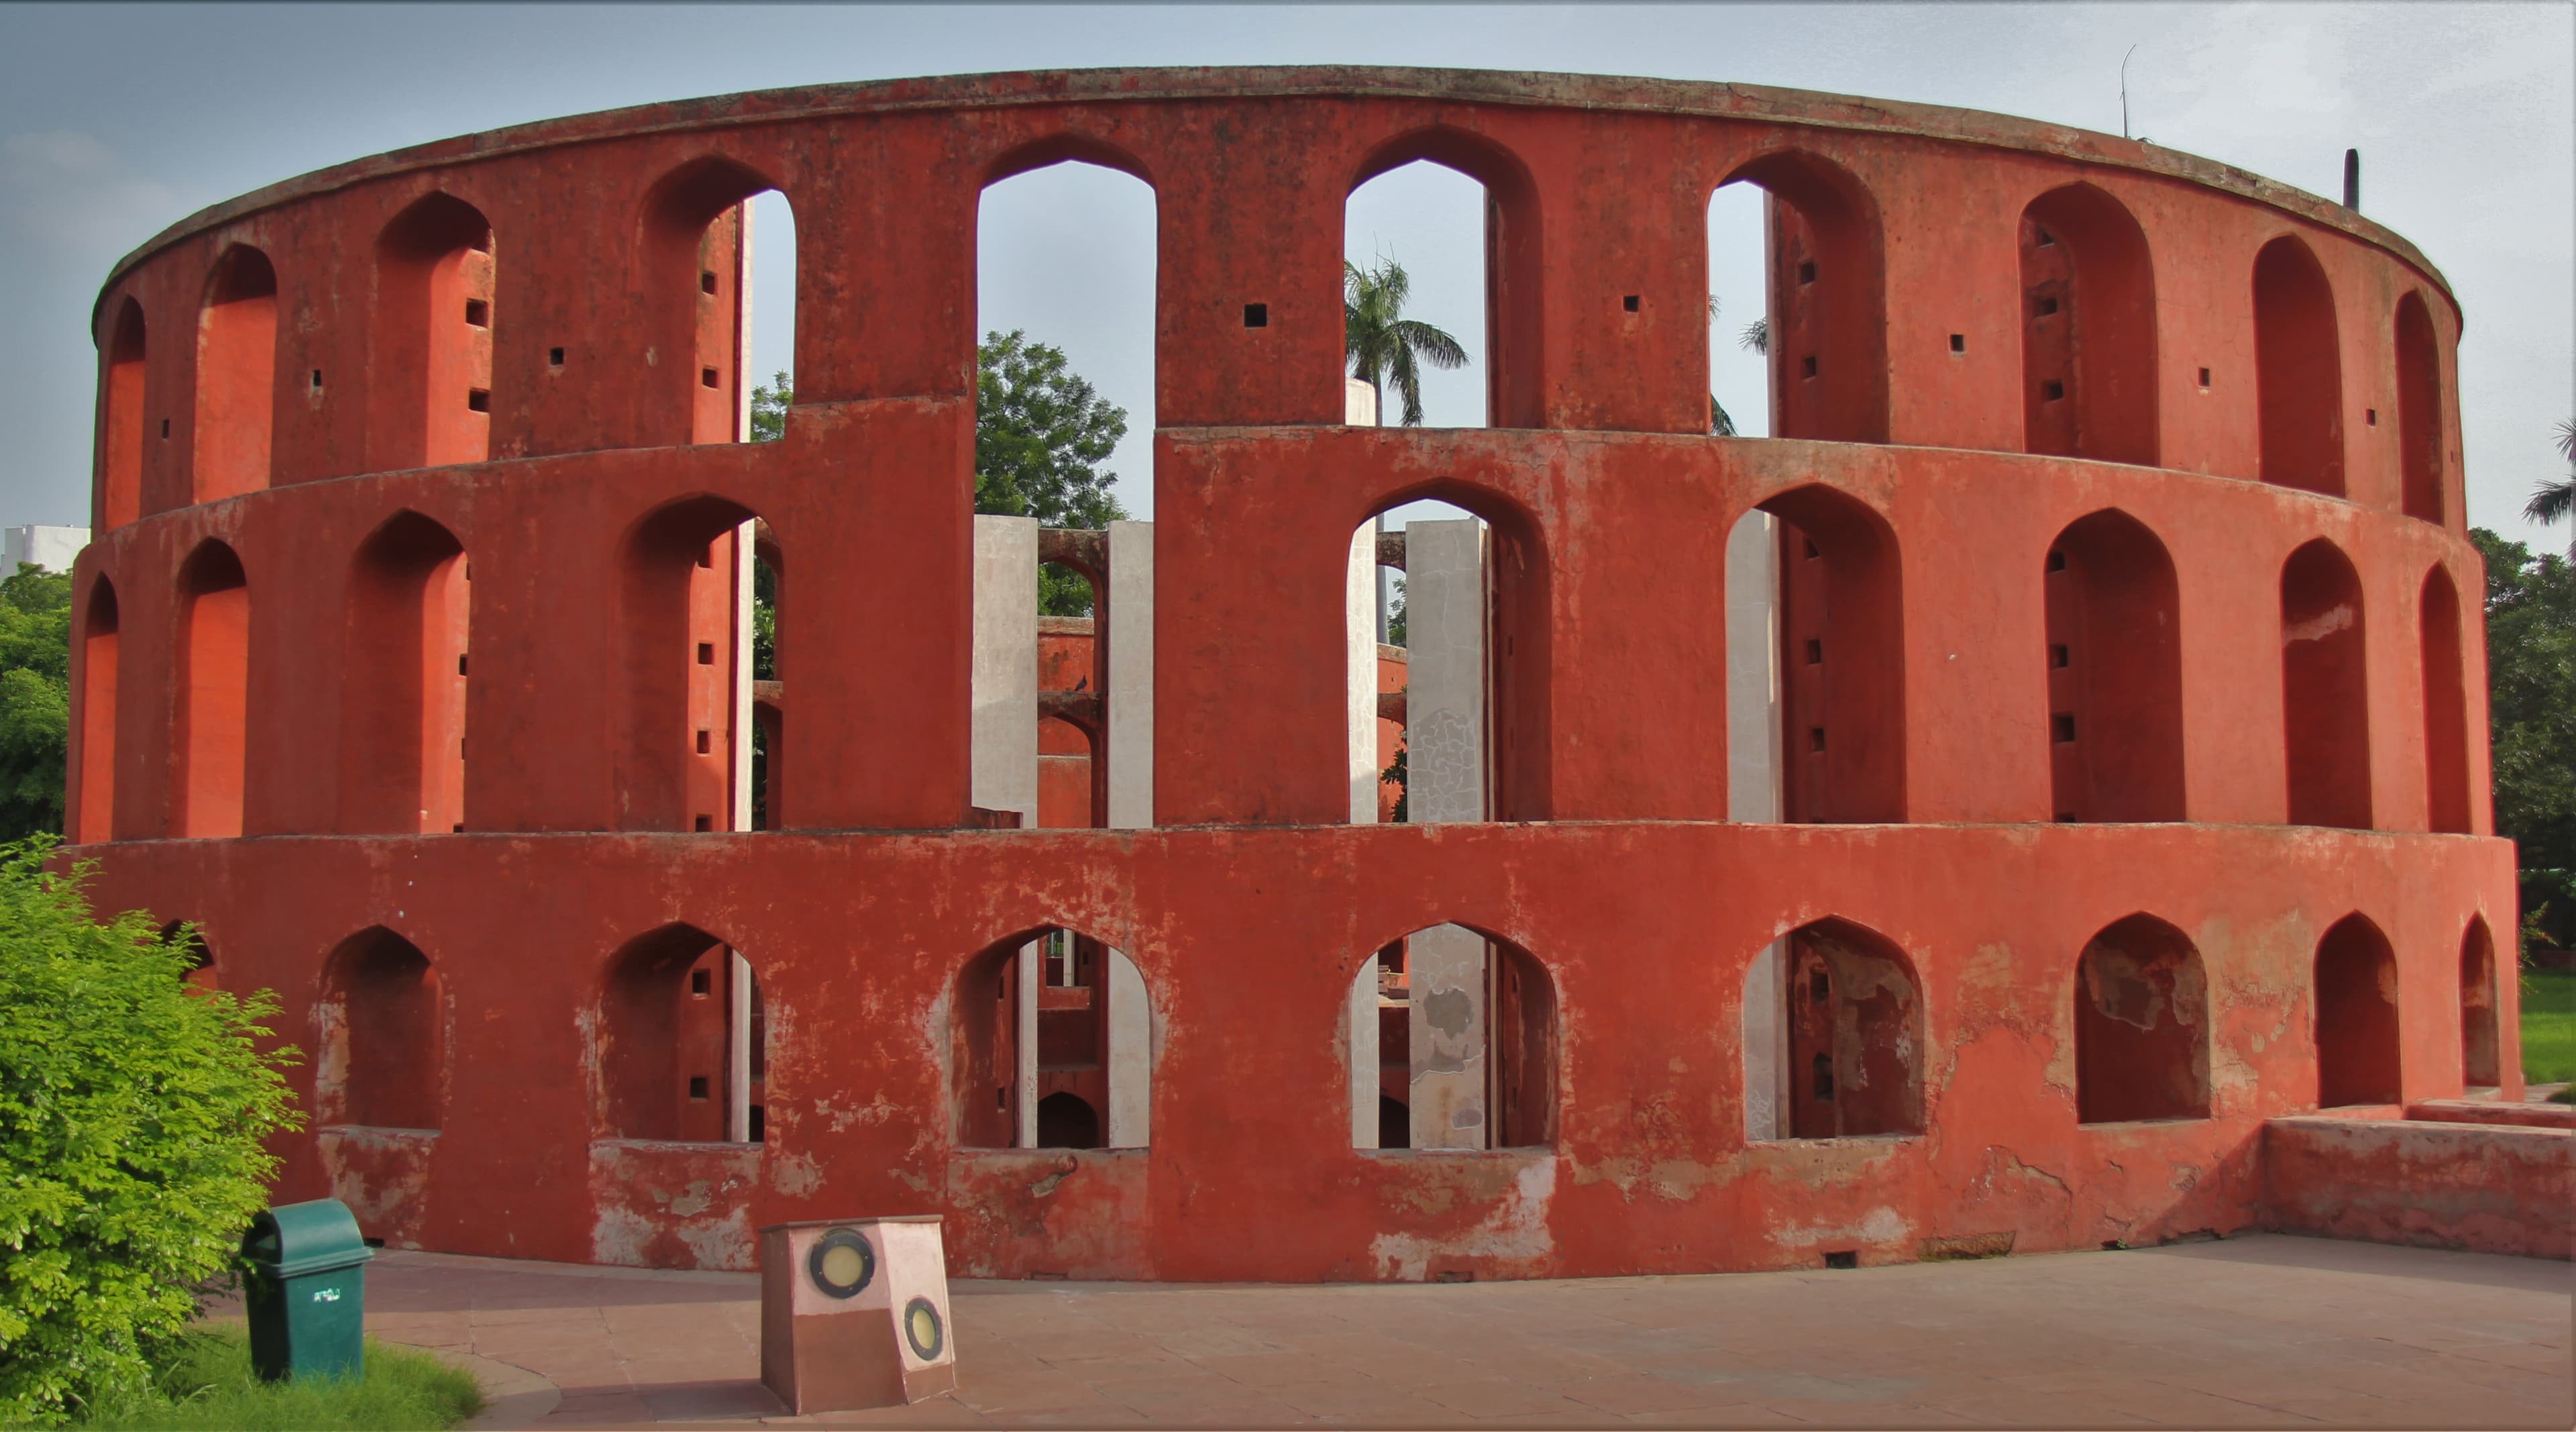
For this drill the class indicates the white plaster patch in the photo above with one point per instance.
(1517, 1229)
(1879, 1225)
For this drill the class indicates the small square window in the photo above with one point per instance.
(1256, 315)
(2059, 656)
(1810, 544)
(1631, 301)
(2204, 380)
(704, 822)
(706, 653)
(2047, 306)
(479, 399)
(706, 743)
(707, 377)
(2056, 560)
(317, 380)
(165, 427)
(2066, 817)
(1815, 738)
(2370, 416)
(1807, 271)
(1815, 651)
(460, 663)
(1958, 343)
(2052, 390)
(554, 357)
(701, 983)
(478, 313)
(2047, 239)
(697, 1088)
(1842, 1260)
(2061, 727)
(1807, 366)
(457, 829)
(706, 282)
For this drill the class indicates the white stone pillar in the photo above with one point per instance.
(1753, 771)
(1359, 667)
(1131, 675)
(1131, 1054)
(1445, 603)
(738, 1048)
(1003, 751)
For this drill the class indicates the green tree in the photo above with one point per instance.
(2531, 678)
(134, 1112)
(2553, 501)
(35, 699)
(1384, 348)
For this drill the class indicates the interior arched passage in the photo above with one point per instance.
(769, 692)
(121, 420)
(682, 1036)
(210, 730)
(382, 1034)
(2481, 1048)
(684, 620)
(2141, 1025)
(2423, 472)
(2088, 330)
(1851, 1040)
(1463, 1047)
(692, 266)
(199, 956)
(2446, 712)
(429, 349)
(95, 818)
(402, 752)
(2114, 672)
(1044, 1021)
(2356, 1016)
(1515, 379)
(2325, 689)
(2298, 369)
(1825, 322)
(236, 376)
(1842, 659)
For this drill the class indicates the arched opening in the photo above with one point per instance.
(1464, 1046)
(682, 1042)
(2481, 1052)
(191, 944)
(1840, 693)
(2088, 330)
(382, 1035)
(688, 626)
(2141, 1025)
(2298, 370)
(429, 364)
(1845, 1058)
(694, 272)
(1461, 656)
(1042, 1024)
(236, 375)
(768, 693)
(96, 818)
(2114, 673)
(2419, 412)
(2356, 1016)
(2325, 689)
(1823, 327)
(121, 420)
(2446, 714)
(207, 739)
(1459, 215)
(402, 755)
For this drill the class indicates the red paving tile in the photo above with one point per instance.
(2254, 1332)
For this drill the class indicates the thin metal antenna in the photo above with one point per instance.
(2124, 92)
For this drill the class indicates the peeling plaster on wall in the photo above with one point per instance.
(382, 1175)
(1512, 1240)
(663, 1204)
(330, 1061)
(1880, 1227)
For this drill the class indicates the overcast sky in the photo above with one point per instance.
(117, 120)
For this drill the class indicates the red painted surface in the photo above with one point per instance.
(2490, 1188)
(2281, 658)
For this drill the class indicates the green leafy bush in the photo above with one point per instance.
(133, 1112)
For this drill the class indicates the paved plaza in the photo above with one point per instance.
(2259, 1331)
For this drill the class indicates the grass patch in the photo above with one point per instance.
(210, 1386)
(2549, 1026)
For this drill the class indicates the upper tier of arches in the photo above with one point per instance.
(505, 297)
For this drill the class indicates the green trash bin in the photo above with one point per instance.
(307, 1291)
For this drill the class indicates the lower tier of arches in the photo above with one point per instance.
(2021, 978)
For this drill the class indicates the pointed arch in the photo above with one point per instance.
(382, 1033)
(681, 1033)
(2298, 369)
(1854, 1030)
(684, 672)
(402, 711)
(1515, 259)
(2355, 1018)
(1827, 315)
(2114, 672)
(236, 376)
(1456, 1027)
(2481, 1044)
(2088, 329)
(1842, 659)
(2141, 1025)
(2446, 710)
(210, 732)
(1045, 1019)
(690, 261)
(122, 418)
(95, 818)
(2325, 689)
(429, 364)
(2423, 448)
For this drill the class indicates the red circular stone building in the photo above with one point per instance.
(2127, 684)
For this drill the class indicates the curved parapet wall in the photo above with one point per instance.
(2134, 777)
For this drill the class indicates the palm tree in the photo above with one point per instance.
(2551, 502)
(1384, 347)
